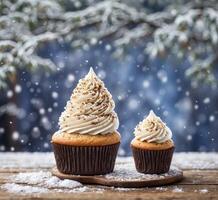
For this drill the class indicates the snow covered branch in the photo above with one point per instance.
(194, 35)
(186, 29)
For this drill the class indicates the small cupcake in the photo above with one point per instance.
(152, 146)
(88, 141)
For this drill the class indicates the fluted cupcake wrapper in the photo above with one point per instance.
(152, 161)
(85, 160)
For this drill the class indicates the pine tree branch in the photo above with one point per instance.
(176, 28)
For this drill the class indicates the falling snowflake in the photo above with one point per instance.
(108, 47)
(18, 89)
(2, 130)
(189, 137)
(70, 78)
(206, 100)
(15, 135)
(146, 83)
(35, 132)
(212, 118)
(102, 74)
(54, 95)
(10, 93)
(162, 76)
(42, 111)
(133, 104)
(93, 41)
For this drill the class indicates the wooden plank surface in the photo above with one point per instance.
(187, 192)
(197, 184)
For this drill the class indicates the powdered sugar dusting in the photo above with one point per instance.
(126, 172)
(39, 182)
(203, 191)
(25, 189)
(176, 189)
(31, 177)
(161, 188)
(44, 179)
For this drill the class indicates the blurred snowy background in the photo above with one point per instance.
(151, 54)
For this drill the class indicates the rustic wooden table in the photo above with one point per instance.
(200, 180)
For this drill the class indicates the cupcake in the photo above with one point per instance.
(152, 146)
(87, 141)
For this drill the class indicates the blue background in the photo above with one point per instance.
(137, 84)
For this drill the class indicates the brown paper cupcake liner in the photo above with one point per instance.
(152, 161)
(85, 160)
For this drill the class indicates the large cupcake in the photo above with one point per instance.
(87, 142)
(152, 146)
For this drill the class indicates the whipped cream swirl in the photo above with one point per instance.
(90, 109)
(152, 129)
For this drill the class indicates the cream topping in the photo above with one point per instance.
(90, 109)
(152, 129)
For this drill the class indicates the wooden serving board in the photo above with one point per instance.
(140, 180)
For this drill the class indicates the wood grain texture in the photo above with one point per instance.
(190, 192)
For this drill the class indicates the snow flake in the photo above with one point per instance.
(18, 88)
(12, 148)
(10, 94)
(31, 90)
(197, 123)
(15, 135)
(61, 65)
(133, 104)
(196, 106)
(54, 95)
(46, 123)
(121, 152)
(49, 109)
(35, 132)
(102, 74)
(55, 104)
(24, 139)
(146, 84)
(70, 78)
(157, 101)
(187, 93)
(108, 47)
(206, 100)
(212, 118)
(42, 111)
(165, 113)
(2, 130)
(93, 41)
(189, 137)
(161, 74)
(77, 4)
(2, 148)
(46, 145)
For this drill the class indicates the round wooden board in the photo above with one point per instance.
(174, 175)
